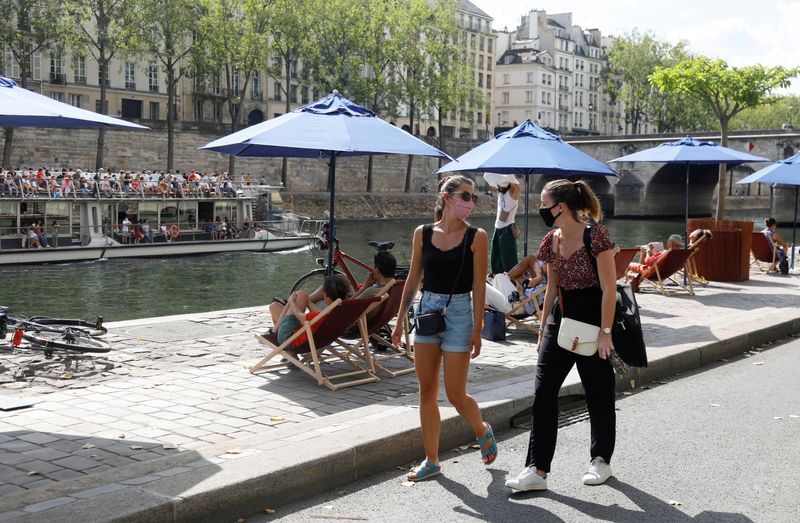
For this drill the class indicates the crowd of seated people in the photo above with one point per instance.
(43, 183)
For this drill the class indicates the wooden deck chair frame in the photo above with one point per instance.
(623, 258)
(666, 268)
(758, 249)
(518, 315)
(387, 310)
(312, 358)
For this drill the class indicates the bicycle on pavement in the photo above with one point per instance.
(51, 335)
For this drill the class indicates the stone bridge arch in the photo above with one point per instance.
(664, 195)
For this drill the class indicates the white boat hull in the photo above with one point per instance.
(148, 250)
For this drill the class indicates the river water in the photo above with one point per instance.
(128, 289)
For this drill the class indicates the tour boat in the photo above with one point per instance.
(100, 224)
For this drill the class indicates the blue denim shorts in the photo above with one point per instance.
(458, 321)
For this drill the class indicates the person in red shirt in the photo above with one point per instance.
(290, 317)
(650, 255)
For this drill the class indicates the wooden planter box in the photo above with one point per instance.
(726, 257)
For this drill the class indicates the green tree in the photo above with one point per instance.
(632, 58)
(777, 112)
(168, 35)
(726, 91)
(291, 22)
(107, 28)
(235, 35)
(28, 28)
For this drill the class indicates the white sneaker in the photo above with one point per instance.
(599, 471)
(528, 479)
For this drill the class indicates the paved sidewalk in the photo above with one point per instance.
(171, 426)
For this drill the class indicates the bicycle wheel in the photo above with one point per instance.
(92, 329)
(69, 340)
(311, 281)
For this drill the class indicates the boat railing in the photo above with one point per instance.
(28, 188)
(26, 237)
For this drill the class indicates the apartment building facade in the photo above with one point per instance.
(549, 70)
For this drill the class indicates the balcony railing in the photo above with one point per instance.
(58, 78)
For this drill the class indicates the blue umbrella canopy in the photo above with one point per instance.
(332, 126)
(525, 150)
(20, 107)
(528, 149)
(327, 128)
(785, 172)
(691, 151)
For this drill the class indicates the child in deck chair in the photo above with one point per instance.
(291, 317)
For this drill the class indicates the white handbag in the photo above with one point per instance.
(577, 336)
(573, 335)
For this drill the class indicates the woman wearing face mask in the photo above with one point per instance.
(590, 297)
(452, 256)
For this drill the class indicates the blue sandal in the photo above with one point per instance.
(492, 449)
(425, 470)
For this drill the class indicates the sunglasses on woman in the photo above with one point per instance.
(467, 196)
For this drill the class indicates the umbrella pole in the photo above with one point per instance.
(331, 230)
(525, 242)
(686, 218)
(794, 224)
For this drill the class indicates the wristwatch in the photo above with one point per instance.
(606, 330)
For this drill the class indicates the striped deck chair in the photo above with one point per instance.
(334, 321)
(386, 311)
(518, 315)
(623, 258)
(666, 268)
(764, 251)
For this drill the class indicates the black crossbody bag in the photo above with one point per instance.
(626, 333)
(432, 323)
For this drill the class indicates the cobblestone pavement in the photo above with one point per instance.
(176, 384)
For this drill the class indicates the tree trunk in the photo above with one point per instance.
(9, 139)
(407, 187)
(171, 101)
(723, 177)
(369, 173)
(101, 135)
(285, 163)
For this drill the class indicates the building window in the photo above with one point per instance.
(199, 109)
(217, 112)
(304, 94)
(489, 81)
(480, 117)
(155, 110)
(528, 97)
(480, 79)
(55, 64)
(215, 85)
(59, 97)
(130, 75)
(490, 46)
(482, 43)
(256, 87)
(504, 118)
(506, 79)
(293, 94)
(549, 98)
(152, 78)
(544, 98)
(235, 83)
(530, 78)
(480, 62)
(76, 100)
(488, 64)
(276, 91)
(506, 97)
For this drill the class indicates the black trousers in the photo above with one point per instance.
(597, 377)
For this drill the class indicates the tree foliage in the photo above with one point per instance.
(725, 90)
(777, 112)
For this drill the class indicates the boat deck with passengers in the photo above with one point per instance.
(96, 216)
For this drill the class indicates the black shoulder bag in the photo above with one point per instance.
(626, 332)
(432, 323)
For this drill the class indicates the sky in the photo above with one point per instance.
(742, 32)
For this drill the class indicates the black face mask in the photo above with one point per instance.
(503, 190)
(547, 216)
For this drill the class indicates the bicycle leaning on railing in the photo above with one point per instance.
(51, 335)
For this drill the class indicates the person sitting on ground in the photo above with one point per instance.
(650, 255)
(776, 241)
(291, 317)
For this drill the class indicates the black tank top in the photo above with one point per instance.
(440, 268)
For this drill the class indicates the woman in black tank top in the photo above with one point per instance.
(450, 259)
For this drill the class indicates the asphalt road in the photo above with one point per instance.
(721, 444)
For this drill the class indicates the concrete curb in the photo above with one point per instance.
(332, 451)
